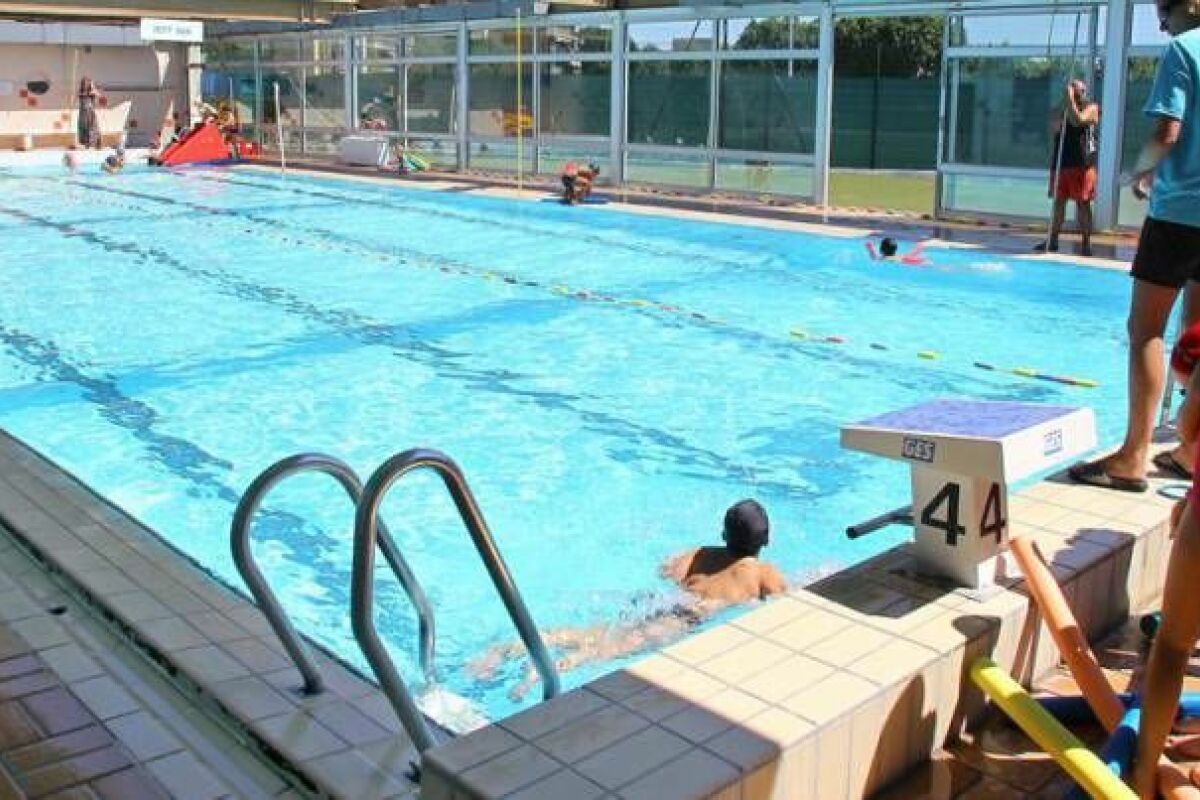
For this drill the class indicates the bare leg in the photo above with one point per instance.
(1056, 224)
(1185, 456)
(1149, 310)
(1083, 214)
(1169, 656)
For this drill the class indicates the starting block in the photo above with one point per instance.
(962, 455)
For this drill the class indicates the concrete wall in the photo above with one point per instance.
(143, 86)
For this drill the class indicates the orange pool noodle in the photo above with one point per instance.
(1173, 782)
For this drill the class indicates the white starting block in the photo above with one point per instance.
(367, 151)
(963, 455)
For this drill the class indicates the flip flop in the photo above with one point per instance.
(1092, 473)
(1167, 462)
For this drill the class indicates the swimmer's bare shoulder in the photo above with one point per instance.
(678, 566)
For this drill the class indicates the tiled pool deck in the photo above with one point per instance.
(834, 691)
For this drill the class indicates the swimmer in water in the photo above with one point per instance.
(889, 250)
(115, 162)
(713, 578)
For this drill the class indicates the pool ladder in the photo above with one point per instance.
(370, 532)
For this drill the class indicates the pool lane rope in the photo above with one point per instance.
(934, 355)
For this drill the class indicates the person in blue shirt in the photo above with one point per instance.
(1168, 254)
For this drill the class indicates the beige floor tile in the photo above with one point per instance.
(144, 736)
(745, 659)
(893, 661)
(104, 697)
(554, 714)
(209, 664)
(171, 633)
(562, 785)
(250, 698)
(459, 755)
(808, 630)
(70, 663)
(187, 779)
(627, 760)
(772, 615)
(948, 633)
(695, 774)
(583, 737)
(848, 646)
(507, 773)
(833, 761)
(831, 698)
(656, 669)
(792, 776)
(786, 678)
(299, 736)
(353, 776)
(710, 644)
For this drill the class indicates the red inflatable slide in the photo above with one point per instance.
(204, 143)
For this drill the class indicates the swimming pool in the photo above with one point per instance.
(610, 382)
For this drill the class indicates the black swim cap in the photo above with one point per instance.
(888, 246)
(747, 529)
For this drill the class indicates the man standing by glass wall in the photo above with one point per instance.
(1073, 166)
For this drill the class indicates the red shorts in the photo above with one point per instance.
(1075, 183)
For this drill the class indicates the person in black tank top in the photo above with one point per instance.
(1075, 178)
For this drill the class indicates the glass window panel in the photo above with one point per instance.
(493, 104)
(576, 97)
(430, 98)
(669, 170)
(989, 194)
(499, 156)
(280, 49)
(499, 41)
(1132, 212)
(291, 94)
(1137, 125)
(555, 157)
(424, 45)
(218, 51)
(327, 48)
(323, 142)
(218, 86)
(768, 106)
(1146, 30)
(668, 37)
(1018, 29)
(771, 33)
(671, 103)
(571, 39)
(378, 89)
(763, 175)
(325, 95)
(1005, 109)
(379, 48)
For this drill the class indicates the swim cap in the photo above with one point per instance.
(1185, 354)
(888, 246)
(747, 529)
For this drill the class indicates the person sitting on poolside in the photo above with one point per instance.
(889, 250)
(712, 577)
(115, 162)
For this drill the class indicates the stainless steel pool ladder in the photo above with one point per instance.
(362, 593)
(280, 623)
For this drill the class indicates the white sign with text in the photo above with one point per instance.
(172, 30)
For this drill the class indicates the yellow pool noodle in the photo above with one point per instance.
(1024, 372)
(1084, 766)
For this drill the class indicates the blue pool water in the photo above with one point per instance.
(609, 382)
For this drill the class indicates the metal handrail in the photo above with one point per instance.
(362, 586)
(280, 623)
(897, 516)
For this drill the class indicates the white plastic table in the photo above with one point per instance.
(962, 455)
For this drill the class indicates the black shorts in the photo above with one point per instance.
(1168, 254)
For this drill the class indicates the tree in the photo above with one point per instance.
(900, 47)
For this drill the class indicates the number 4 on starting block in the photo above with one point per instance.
(963, 454)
